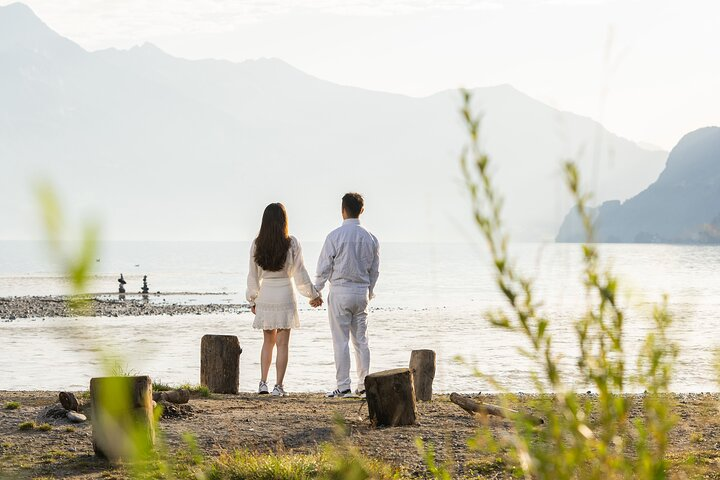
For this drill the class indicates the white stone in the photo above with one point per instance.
(76, 417)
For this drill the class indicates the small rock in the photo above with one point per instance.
(76, 417)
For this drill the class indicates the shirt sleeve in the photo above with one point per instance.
(374, 269)
(299, 273)
(325, 264)
(253, 279)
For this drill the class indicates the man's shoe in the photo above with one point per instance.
(263, 388)
(337, 393)
(360, 393)
(278, 391)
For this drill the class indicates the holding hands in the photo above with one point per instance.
(316, 302)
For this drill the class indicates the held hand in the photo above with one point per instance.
(316, 302)
(252, 309)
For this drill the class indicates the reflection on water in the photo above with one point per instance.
(168, 349)
(430, 296)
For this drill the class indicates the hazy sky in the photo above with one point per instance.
(656, 60)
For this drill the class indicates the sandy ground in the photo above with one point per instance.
(301, 423)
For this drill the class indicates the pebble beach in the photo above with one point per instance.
(303, 423)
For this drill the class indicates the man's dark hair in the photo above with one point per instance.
(353, 204)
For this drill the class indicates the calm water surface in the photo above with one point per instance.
(429, 296)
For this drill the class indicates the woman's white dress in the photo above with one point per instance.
(272, 293)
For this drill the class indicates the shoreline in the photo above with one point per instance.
(303, 423)
(101, 305)
(5, 392)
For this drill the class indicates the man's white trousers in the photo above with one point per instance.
(347, 310)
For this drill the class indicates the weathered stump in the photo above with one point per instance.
(422, 365)
(122, 417)
(391, 397)
(220, 363)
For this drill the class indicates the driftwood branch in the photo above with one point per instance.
(472, 407)
(173, 396)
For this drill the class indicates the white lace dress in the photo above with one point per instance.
(272, 293)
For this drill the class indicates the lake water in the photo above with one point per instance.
(429, 296)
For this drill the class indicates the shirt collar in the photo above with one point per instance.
(351, 221)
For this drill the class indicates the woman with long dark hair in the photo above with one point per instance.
(275, 261)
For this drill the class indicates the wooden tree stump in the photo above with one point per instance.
(391, 397)
(220, 363)
(422, 365)
(122, 417)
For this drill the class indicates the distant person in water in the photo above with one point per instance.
(350, 261)
(276, 259)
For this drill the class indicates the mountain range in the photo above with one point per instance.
(681, 206)
(161, 147)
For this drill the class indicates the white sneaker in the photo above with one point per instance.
(337, 393)
(263, 388)
(278, 391)
(360, 393)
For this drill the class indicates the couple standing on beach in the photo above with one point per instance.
(349, 260)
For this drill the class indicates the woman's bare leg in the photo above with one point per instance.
(266, 353)
(282, 341)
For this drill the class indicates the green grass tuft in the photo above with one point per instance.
(243, 465)
(202, 390)
(247, 466)
(26, 426)
(45, 427)
(12, 405)
(161, 387)
(493, 467)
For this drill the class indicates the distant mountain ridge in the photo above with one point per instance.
(166, 148)
(682, 206)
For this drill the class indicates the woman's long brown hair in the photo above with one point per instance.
(273, 241)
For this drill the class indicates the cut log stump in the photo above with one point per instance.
(422, 365)
(473, 407)
(220, 363)
(391, 398)
(122, 417)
